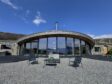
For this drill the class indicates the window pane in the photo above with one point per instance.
(42, 46)
(83, 47)
(70, 46)
(97, 49)
(52, 45)
(77, 47)
(34, 47)
(27, 49)
(27, 45)
(88, 50)
(61, 46)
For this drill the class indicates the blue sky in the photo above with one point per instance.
(93, 17)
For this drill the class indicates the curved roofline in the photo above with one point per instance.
(57, 33)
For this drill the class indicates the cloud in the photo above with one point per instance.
(91, 35)
(27, 12)
(24, 19)
(8, 2)
(24, 16)
(38, 19)
(100, 36)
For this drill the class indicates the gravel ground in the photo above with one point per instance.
(91, 72)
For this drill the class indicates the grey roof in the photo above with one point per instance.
(57, 33)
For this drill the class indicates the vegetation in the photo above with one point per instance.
(10, 36)
(110, 52)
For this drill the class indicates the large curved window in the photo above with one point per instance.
(70, 46)
(65, 46)
(61, 46)
(42, 46)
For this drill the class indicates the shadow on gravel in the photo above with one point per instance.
(9, 59)
(75, 66)
(99, 57)
(51, 65)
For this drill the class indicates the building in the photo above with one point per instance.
(6, 47)
(62, 42)
(7, 43)
(102, 46)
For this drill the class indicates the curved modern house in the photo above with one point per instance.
(62, 42)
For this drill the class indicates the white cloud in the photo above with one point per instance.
(8, 2)
(101, 36)
(91, 35)
(24, 16)
(38, 19)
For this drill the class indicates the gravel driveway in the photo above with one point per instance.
(91, 72)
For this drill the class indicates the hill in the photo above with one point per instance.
(10, 36)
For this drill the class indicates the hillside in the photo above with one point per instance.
(103, 41)
(10, 36)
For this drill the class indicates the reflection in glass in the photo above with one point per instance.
(42, 46)
(88, 49)
(34, 47)
(52, 45)
(27, 45)
(61, 46)
(70, 46)
(83, 47)
(27, 49)
(77, 47)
